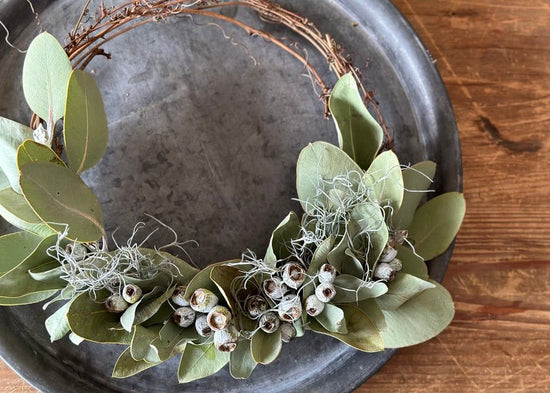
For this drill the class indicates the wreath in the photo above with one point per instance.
(352, 266)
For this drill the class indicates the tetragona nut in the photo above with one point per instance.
(288, 332)
(201, 325)
(269, 322)
(116, 304)
(255, 306)
(388, 254)
(226, 340)
(203, 300)
(77, 251)
(293, 275)
(184, 316)
(290, 308)
(131, 293)
(274, 288)
(177, 296)
(325, 291)
(384, 271)
(327, 273)
(396, 264)
(314, 306)
(218, 318)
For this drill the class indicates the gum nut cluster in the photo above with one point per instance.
(119, 303)
(324, 292)
(209, 317)
(388, 265)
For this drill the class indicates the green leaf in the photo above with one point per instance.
(279, 243)
(320, 162)
(370, 219)
(361, 335)
(86, 134)
(48, 272)
(337, 256)
(436, 223)
(332, 319)
(59, 196)
(148, 308)
(199, 361)
(350, 289)
(241, 362)
(46, 72)
(31, 151)
(31, 298)
(57, 324)
(416, 181)
(12, 134)
(420, 319)
(384, 181)
(359, 135)
(90, 320)
(15, 209)
(15, 248)
(171, 340)
(412, 264)
(402, 289)
(126, 366)
(371, 308)
(223, 276)
(75, 339)
(265, 347)
(353, 265)
(4, 182)
(141, 341)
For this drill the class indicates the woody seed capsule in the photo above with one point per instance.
(293, 275)
(218, 318)
(184, 316)
(290, 308)
(256, 306)
(201, 325)
(274, 288)
(131, 293)
(388, 254)
(396, 264)
(203, 300)
(325, 292)
(269, 322)
(314, 306)
(226, 340)
(177, 296)
(384, 271)
(327, 273)
(116, 304)
(288, 332)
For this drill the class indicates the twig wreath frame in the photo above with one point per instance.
(351, 267)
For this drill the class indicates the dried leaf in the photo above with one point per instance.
(199, 361)
(402, 289)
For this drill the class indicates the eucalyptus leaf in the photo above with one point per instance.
(75, 339)
(12, 134)
(142, 338)
(353, 265)
(384, 181)
(223, 276)
(46, 72)
(279, 243)
(199, 361)
(371, 308)
(337, 256)
(151, 304)
(265, 347)
(403, 288)
(48, 272)
(436, 223)
(241, 362)
(126, 366)
(4, 181)
(332, 319)
(350, 289)
(412, 263)
(163, 314)
(86, 134)
(419, 319)
(171, 338)
(416, 181)
(320, 162)
(15, 248)
(57, 324)
(30, 298)
(359, 135)
(370, 219)
(15, 209)
(59, 196)
(31, 151)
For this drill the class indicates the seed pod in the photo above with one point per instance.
(76, 250)
(256, 305)
(203, 300)
(327, 273)
(218, 318)
(325, 292)
(116, 304)
(177, 296)
(388, 254)
(131, 293)
(396, 264)
(184, 316)
(314, 306)
(290, 308)
(269, 322)
(226, 340)
(274, 288)
(293, 275)
(384, 271)
(201, 325)
(288, 332)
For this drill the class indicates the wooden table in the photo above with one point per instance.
(494, 56)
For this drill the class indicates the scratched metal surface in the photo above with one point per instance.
(207, 142)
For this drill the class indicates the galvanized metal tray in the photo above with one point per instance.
(206, 140)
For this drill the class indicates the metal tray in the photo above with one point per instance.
(205, 140)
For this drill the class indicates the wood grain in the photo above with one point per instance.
(494, 56)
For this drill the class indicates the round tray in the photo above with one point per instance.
(206, 140)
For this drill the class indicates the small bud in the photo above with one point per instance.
(290, 308)
(226, 340)
(398, 237)
(269, 322)
(177, 296)
(256, 306)
(218, 318)
(293, 275)
(201, 324)
(388, 254)
(203, 300)
(77, 251)
(288, 332)
(184, 316)
(325, 292)
(396, 264)
(116, 304)
(274, 288)
(384, 271)
(327, 273)
(131, 293)
(314, 306)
